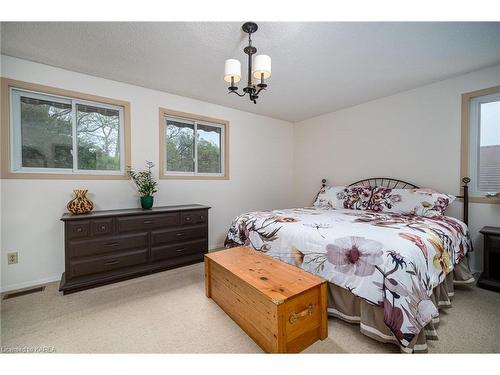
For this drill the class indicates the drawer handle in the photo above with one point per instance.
(188, 218)
(148, 221)
(180, 250)
(202, 217)
(110, 244)
(296, 316)
(111, 262)
(103, 227)
(180, 234)
(79, 229)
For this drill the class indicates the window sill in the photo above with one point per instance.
(61, 176)
(484, 200)
(194, 177)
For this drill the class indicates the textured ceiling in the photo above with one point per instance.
(317, 67)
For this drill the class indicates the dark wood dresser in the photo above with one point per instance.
(103, 247)
(490, 278)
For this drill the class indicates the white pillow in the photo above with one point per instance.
(327, 198)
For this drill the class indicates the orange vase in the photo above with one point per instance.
(80, 204)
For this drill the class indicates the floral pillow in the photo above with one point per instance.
(356, 197)
(422, 202)
(351, 197)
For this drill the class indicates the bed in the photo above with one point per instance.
(388, 272)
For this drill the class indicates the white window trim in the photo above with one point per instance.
(474, 139)
(16, 142)
(195, 122)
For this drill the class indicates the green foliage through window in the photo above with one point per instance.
(46, 134)
(45, 128)
(181, 146)
(98, 133)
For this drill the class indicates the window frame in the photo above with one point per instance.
(468, 155)
(164, 114)
(10, 163)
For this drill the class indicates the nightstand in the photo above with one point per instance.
(490, 278)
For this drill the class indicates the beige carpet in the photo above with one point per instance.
(169, 313)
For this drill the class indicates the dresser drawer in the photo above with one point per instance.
(106, 245)
(177, 235)
(193, 217)
(145, 222)
(101, 226)
(78, 229)
(179, 250)
(108, 263)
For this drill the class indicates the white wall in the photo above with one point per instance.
(414, 135)
(31, 208)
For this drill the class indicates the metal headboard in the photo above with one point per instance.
(385, 182)
(400, 184)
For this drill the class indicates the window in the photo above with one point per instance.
(481, 144)
(55, 134)
(192, 146)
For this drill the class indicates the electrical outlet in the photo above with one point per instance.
(12, 258)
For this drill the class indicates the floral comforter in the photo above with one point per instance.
(391, 260)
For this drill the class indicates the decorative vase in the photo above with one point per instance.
(80, 204)
(147, 202)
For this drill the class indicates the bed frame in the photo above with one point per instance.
(400, 184)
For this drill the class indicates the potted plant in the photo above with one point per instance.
(145, 183)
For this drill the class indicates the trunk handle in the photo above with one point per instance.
(308, 311)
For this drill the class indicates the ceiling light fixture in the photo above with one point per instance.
(258, 68)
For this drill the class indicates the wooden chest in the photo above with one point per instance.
(103, 247)
(281, 307)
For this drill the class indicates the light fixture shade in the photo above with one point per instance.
(232, 69)
(262, 65)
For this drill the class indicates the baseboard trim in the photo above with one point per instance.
(29, 284)
(217, 248)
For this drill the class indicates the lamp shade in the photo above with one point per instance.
(262, 65)
(232, 69)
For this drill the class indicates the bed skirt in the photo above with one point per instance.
(344, 305)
